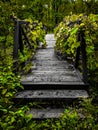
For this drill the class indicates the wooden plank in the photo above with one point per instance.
(54, 85)
(46, 113)
(51, 94)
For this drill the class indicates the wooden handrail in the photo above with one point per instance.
(19, 33)
(16, 46)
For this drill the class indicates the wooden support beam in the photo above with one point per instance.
(26, 38)
(84, 57)
(16, 46)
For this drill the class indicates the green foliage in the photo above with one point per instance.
(14, 117)
(66, 34)
(49, 12)
(38, 33)
(84, 117)
(35, 34)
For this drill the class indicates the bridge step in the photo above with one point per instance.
(54, 85)
(51, 103)
(46, 113)
(44, 95)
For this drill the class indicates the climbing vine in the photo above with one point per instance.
(66, 34)
(36, 36)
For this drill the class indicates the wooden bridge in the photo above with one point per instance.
(52, 81)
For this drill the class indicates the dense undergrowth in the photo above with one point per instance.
(11, 117)
(83, 117)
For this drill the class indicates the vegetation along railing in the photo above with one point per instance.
(20, 38)
(24, 44)
(72, 45)
(81, 51)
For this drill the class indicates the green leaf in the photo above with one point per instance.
(4, 125)
(74, 31)
(29, 117)
(4, 110)
(4, 91)
(90, 49)
(9, 94)
(12, 119)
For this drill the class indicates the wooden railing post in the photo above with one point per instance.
(20, 39)
(16, 46)
(84, 57)
(77, 58)
(81, 51)
(77, 52)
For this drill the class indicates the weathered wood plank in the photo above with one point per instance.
(46, 113)
(51, 94)
(52, 77)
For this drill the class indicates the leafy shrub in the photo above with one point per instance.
(12, 117)
(66, 34)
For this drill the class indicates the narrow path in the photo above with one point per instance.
(49, 69)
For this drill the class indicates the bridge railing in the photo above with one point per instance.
(27, 37)
(81, 51)
(20, 39)
(81, 55)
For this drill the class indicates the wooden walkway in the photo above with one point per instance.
(51, 79)
(49, 69)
